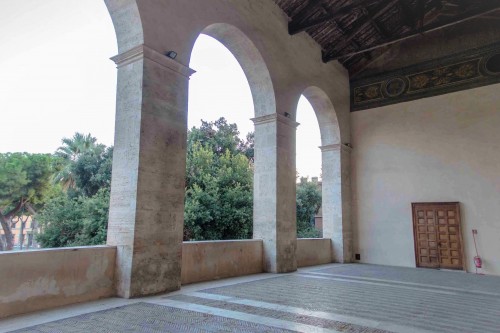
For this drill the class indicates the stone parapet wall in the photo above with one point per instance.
(43, 279)
(313, 251)
(212, 260)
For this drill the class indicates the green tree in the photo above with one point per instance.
(218, 135)
(25, 183)
(79, 214)
(92, 171)
(308, 204)
(70, 152)
(219, 178)
(74, 221)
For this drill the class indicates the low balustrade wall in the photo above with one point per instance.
(43, 279)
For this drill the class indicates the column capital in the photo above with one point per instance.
(336, 147)
(274, 118)
(142, 51)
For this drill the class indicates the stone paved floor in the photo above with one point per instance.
(331, 298)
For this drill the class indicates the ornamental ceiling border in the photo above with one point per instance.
(461, 71)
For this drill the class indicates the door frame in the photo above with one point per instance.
(457, 203)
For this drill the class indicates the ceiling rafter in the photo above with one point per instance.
(410, 19)
(307, 9)
(359, 27)
(465, 16)
(297, 25)
(361, 34)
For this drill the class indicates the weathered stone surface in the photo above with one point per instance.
(212, 260)
(336, 201)
(42, 279)
(274, 191)
(146, 214)
(313, 251)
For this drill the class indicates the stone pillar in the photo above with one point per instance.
(147, 189)
(336, 205)
(274, 191)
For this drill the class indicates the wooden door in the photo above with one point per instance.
(438, 238)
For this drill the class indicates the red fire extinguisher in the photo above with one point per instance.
(478, 262)
(477, 259)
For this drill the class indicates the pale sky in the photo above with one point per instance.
(56, 79)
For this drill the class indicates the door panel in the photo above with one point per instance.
(438, 240)
(425, 237)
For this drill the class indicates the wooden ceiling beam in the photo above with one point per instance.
(362, 25)
(410, 19)
(420, 15)
(494, 6)
(306, 11)
(381, 31)
(296, 25)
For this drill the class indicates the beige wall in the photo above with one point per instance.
(212, 260)
(443, 148)
(42, 279)
(313, 251)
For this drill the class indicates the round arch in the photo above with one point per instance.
(252, 63)
(335, 195)
(326, 115)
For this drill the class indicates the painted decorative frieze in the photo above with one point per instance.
(462, 71)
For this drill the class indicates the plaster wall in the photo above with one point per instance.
(213, 260)
(313, 251)
(439, 149)
(42, 279)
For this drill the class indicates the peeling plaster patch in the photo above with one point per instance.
(41, 287)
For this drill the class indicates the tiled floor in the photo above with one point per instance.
(332, 298)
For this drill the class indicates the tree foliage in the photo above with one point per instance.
(308, 204)
(78, 215)
(25, 179)
(219, 183)
(92, 171)
(71, 152)
(71, 188)
(219, 189)
(74, 221)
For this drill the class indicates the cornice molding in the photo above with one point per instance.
(145, 52)
(275, 117)
(336, 147)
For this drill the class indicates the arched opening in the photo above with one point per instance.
(331, 177)
(308, 165)
(325, 112)
(243, 57)
(219, 171)
(58, 83)
(219, 88)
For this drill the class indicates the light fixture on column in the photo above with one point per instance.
(171, 54)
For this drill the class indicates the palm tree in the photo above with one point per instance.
(78, 144)
(69, 153)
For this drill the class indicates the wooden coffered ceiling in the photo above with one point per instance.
(354, 32)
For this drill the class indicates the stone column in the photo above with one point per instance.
(274, 191)
(147, 189)
(336, 205)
